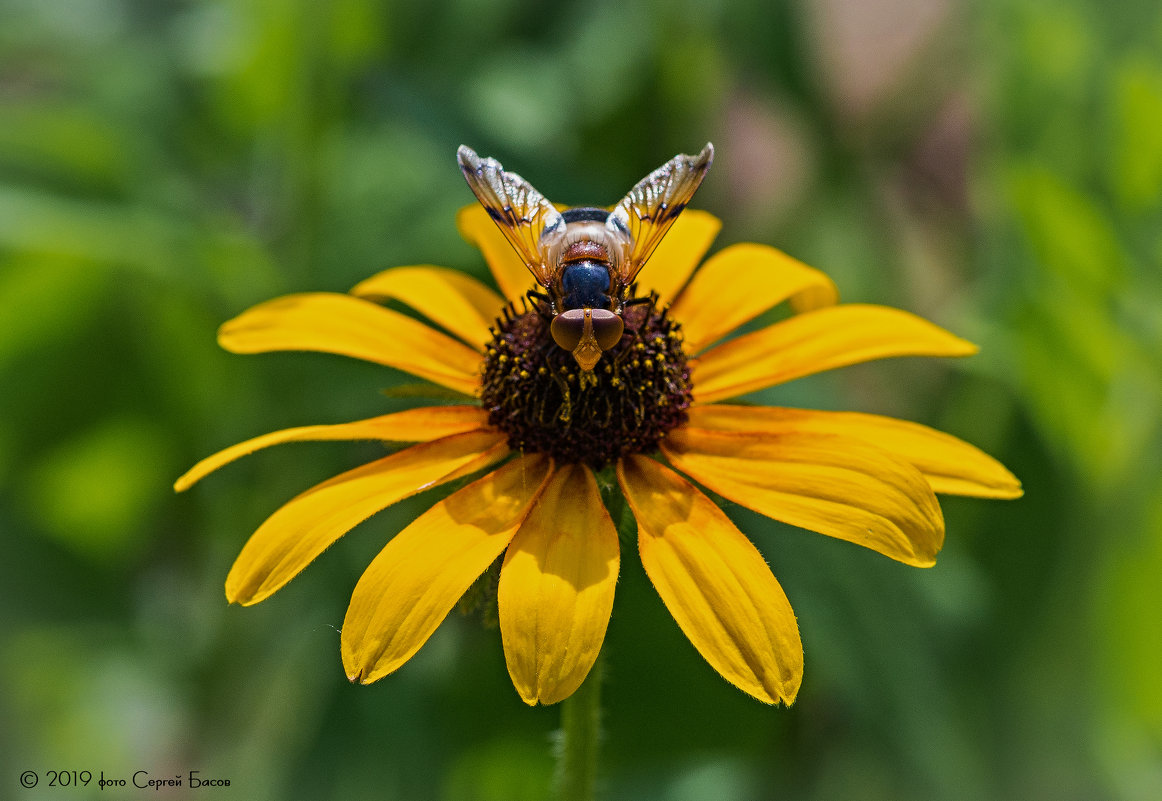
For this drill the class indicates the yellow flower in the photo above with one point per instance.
(858, 477)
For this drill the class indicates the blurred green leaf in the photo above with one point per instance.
(113, 710)
(1056, 43)
(94, 493)
(43, 300)
(1070, 235)
(263, 71)
(1136, 155)
(192, 252)
(1130, 608)
(358, 31)
(501, 770)
(720, 779)
(40, 222)
(74, 143)
(519, 97)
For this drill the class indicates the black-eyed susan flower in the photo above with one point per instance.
(654, 412)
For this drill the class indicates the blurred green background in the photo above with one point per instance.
(995, 166)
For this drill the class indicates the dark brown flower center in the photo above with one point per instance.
(535, 392)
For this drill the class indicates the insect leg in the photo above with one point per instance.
(541, 302)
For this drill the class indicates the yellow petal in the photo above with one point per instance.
(410, 587)
(334, 323)
(510, 272)
(678, 254)
(458, 302)
(305, 526)
(714, 582)
(740, 283)
(413, 425)
(834, 485)
(951, 465)
(816, 341)
(556, 588)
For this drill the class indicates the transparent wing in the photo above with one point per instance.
(650, 208)
(528, 221)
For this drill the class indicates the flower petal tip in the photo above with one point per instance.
(775, 692)
(227, 336)
(968, 348)
(356, 670)
(921, 557)
(782, 688)
(364, 669)
(246, 596)
(1007, 488)
(785, 691)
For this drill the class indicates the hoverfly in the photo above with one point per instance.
(585, 258)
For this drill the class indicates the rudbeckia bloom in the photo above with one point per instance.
(657, 417)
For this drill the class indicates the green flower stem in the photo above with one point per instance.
(579, 739)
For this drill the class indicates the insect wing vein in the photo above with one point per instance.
(526, 218)
(651, 207)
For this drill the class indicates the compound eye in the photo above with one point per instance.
(607, 328)
(568, 328)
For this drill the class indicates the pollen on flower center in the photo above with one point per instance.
(535, 392)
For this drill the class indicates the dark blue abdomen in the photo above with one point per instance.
(585, 283)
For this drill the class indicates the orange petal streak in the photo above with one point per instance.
(410, 587)
(556, 588)
(951, 465)
(816, 341)
(304, 527)
(834, 485)
(413, 425)
(714, 582)
(334, 323)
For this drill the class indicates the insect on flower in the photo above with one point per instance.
(660, 414)
(586, 257)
